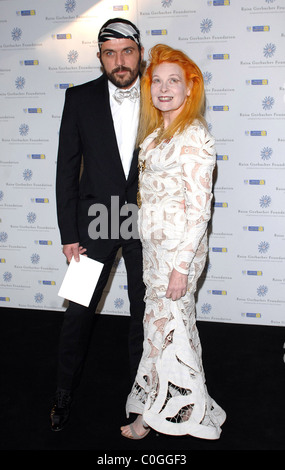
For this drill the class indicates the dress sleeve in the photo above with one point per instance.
(197, 158)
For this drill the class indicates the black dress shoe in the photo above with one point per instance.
(60, 410)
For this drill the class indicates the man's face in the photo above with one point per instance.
(121, 60)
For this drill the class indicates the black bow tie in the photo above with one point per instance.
(120, 95)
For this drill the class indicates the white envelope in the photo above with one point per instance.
(80, 280)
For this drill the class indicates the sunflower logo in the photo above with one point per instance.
(118, 303)
(263, 247)
(206, 25)
(265, 201)
(39, 298)
(268, 102)
(16, 34)
(166, 3)
(72, 57)
(262, 291)
(20, 83)
(266, 153)
(35, 258)
(269, 50)
(24, 129)
(206, 308)
(70, 6)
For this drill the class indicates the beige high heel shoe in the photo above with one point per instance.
(134, 435)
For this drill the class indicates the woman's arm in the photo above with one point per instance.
(197, 163)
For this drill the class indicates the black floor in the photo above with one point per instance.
(244, 367)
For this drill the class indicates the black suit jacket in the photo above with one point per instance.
(87, 132)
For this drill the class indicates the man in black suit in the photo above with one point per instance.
(98, 129)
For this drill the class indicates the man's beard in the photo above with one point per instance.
(126, 81)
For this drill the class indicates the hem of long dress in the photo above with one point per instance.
(201, 431)
(134, 406)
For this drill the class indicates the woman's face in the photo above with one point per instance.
(169, 90)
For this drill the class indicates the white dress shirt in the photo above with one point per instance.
(125, 118)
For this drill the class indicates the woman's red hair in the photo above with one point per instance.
(150, 117)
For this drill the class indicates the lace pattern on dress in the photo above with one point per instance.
(176, 194)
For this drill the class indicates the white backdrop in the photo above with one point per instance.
(47, 46)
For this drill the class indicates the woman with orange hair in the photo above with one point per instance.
(176, 163)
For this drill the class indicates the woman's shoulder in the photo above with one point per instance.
(148, 139)
(197, 136)
(197, 128)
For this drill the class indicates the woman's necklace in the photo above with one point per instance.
(141, 167)
(158, 137)
(142, 163)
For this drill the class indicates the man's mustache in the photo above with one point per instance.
(121, 68)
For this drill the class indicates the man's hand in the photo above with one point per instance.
(177, 286)
(73, 249)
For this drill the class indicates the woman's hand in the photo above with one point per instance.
(177, 286)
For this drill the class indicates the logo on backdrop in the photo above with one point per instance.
(72, 57)
(16, 34)
(7, 276)
(268, 102)
(166, 3)
(258, 28)
(266, 161)
(263, 247)
(218, 3)
(118, 303)
(251, 315)
(166, 11)
(258, 81)
(206, 25)
(70, 6)
(207, 76)
(223, 56)
(3, 237)
(29, 62)
(18, 42)
(35, 258)
(38, 298)
(217, 292)
(265, 201)
(25, 12)
(24, 129)
(262, 291)
(206, 309)
(20, 83)
(27, 174)
(31, 217)
(269, 50)
(252, 273)
(266, 153)
(62, 36)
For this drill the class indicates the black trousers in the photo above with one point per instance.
(77, 323)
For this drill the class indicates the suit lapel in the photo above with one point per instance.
(106, 121)
(134, 167)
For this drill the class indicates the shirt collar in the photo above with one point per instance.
(113, 88)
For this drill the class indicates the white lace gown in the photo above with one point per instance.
(169, 390)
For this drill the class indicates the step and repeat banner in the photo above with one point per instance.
(46, 47)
